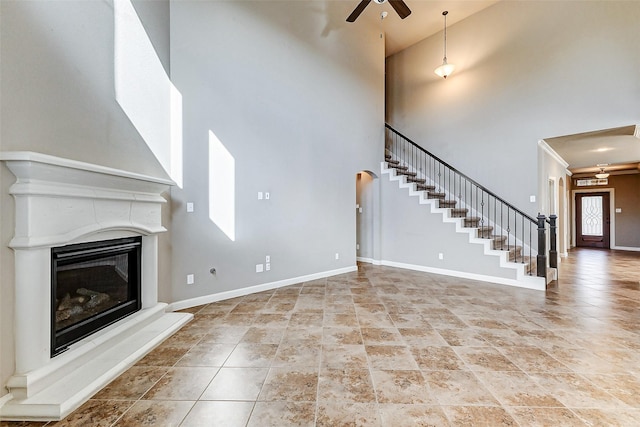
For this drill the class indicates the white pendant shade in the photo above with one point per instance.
(445, 69)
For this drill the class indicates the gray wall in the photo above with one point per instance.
(525, 71)
(411, 234)
(57, 92)
(298, 104)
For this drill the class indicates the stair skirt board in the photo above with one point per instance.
(535, 283)
(386, 167)
(522, 279)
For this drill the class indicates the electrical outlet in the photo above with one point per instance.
(259, 268)
(259, 195)
(440, 255)
(267, 266)
(266, 195)
(189, 206)
(190, 279)
(358, 246)
(337, 255)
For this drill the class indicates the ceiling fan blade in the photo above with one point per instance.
(358, 10)
(401, 8)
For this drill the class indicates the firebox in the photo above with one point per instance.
(93, 285)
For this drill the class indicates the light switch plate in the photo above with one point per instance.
(189, 206)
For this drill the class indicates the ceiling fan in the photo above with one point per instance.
(399, 6)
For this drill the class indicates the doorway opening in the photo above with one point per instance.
(367, 217)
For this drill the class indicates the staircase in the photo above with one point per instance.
(501, 229)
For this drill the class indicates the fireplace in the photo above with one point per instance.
(92, 286)
(85, 282)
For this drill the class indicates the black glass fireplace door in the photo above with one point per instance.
(92, 286)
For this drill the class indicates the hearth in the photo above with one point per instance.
(92, 286)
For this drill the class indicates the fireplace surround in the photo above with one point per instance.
(60, 203)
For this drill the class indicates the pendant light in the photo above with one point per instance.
(445, 69)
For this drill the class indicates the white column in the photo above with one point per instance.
(32, 307)
(149, 271)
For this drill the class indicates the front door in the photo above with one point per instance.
(592, 220)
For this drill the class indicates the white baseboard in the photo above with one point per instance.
(369, 260)
(625, 248)
(207, 299)
(536, 283)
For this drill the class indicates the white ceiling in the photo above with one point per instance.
(425, 19)
(618, 148)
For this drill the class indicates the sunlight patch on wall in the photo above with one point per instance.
(145, 92)
(222, 187)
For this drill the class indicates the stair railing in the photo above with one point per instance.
(509, 228)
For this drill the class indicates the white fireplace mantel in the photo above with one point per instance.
(60, 202)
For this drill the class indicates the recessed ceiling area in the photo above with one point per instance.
(618, 148)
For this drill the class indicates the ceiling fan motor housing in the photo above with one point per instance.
(379, 1)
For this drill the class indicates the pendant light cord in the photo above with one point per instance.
(445, 34)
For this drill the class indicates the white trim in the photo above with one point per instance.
(207, 299)
(625, 248)
(535, 283)
(557, 157)
(612, 217)
(369, 260)
(30, 156)
(4, 399)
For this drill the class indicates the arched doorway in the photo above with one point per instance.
(367, 217)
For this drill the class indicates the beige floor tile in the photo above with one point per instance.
(344, 357)
(390, 357)
(485, 359)
(477, 416)
(546, 417)
(403, 415)
(218, 414)
(150, 413)
(343, 414)
(290, 384)
(205, 354)
(458, 388)
(402, 387)
(133, 383)
(278, 414)
(96, 413)
(437, 358)
(249, 355)
(236, 384)
(342, 335)
(346, 385)
(517, 389)
(181, 384)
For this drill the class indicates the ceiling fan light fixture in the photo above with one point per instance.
(445, 69)
(602, 174)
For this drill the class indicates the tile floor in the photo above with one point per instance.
(390, 347)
